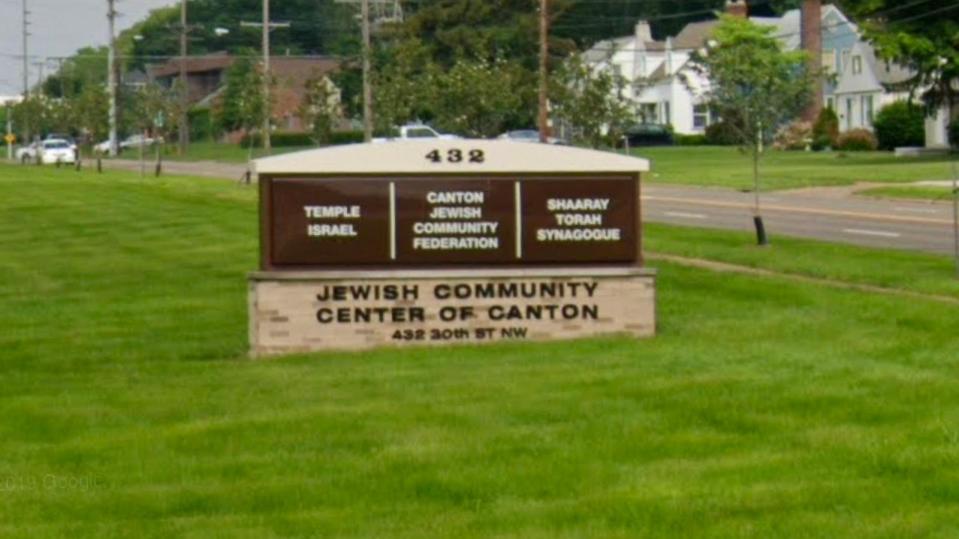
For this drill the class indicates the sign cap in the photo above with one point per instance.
(413, 157)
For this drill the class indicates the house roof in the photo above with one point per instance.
(876, 75)
(695, 34)
(194, 64)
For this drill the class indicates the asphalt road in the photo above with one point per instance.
(826, 214)
(830, 214)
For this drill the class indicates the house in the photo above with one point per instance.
(666, 91)
(866, 84)
(206, 78)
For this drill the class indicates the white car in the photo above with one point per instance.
(416, 131)
(26, 154)
(133, 141)
(57, 151)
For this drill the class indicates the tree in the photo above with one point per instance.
(479, 98)
(591, 101)
(157, 110)
(91, 111)
(751, 78)
(919, 35)
(321, 109)
(241, 105)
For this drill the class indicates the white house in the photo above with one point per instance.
(668, 92)
(860, 87)
(866, 85)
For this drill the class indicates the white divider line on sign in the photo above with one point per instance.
(392, 221)
(519, 220)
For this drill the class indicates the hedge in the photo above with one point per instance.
(287, 139)
(900, 124)
(857, 140)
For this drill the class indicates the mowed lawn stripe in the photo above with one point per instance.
(764, 407)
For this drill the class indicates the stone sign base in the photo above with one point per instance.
(339, 310)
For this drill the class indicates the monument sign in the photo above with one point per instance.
(453, 241)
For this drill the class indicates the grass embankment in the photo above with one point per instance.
(764, 408)
(209, 151)
(932, 194)
(728, 167)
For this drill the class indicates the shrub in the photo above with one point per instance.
(721, 134)
(954, 133)
(857, 140)
(202, 126)
(690, 140)
(280, 139)
(900, 124)
(345, 137)
(825, 132)
(794, 136)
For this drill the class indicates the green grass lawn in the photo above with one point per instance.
(210, 151)
(764, 408)
(937, 194)
(727, 167)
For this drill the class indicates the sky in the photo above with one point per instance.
(58, 28)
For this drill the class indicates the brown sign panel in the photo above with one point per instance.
(455, 222)
(575, 220)
(500, 220)
(335, 222)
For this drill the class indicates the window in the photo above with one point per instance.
(667, 113)
(848, 113)
(867, 110)
(829, 61)
(648, 113)
(830, 103)
(856, 65)
(700, 116)
(845, 60)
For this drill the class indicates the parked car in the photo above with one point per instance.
(69, 139)
(416, 131)
(25, 154)
(647, 135)
(57, 151)
(528, 135)
(51, 151)
(133, 141)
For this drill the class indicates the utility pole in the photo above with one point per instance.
(9, 138)
(26, 57)
(26, 69)
(184, 128)
(267, 28)
(367, 75)
(40, 73)
(112, 76)
(267, 108)
(811, 37)
(543, 122)
(386, 11)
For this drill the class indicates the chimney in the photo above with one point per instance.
(811, 31)
(644, 33)
(737, 8)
